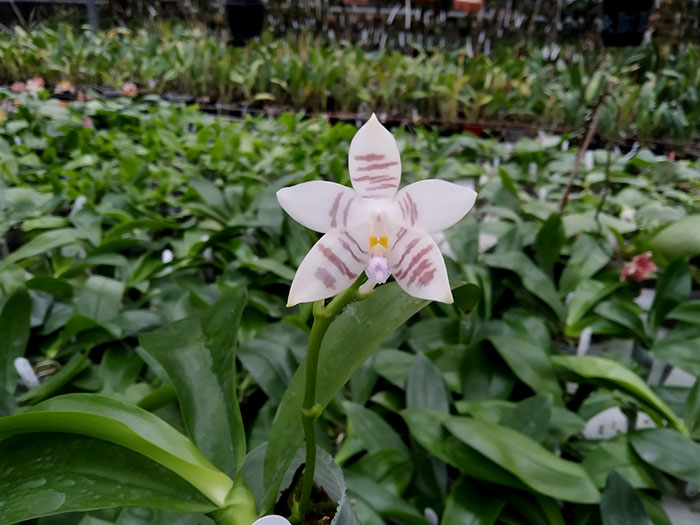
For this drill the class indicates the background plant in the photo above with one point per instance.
(161, 217)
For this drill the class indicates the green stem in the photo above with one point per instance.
(311, 411)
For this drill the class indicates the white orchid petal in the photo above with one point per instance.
(332, 265)
(374, 161)
(433, 205)
(417, 265)
(321, 205)
(272, 520)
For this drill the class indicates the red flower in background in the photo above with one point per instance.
(639, 268)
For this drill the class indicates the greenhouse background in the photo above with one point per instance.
(194, 324)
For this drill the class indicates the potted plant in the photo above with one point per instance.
(245, 19)
(625, 21)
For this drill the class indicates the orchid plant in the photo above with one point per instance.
(372, 227)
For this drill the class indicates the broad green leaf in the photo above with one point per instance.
(586, 295)
(678, 239)
(680, 348)
(467, 505)
(691, 412)
(199, 356)
(623, 313)
(14, 335)
(372, 430)
(549, 242)
(382, 501)
(534, 280)
(100, 298)
(530, 363)
(688, 312)
(366, 324)
(394, 366)
(123, 424)
(46, 473)
(485, 376)
(425, 387)
(531, 463)
(612, 372)
(672, 288)
(669, 451)
(615, 454)
(530, 417)
(587, 258)
(426, 426)
(43, 243)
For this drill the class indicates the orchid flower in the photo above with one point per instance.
(374, 227)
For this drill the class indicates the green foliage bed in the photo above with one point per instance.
(656, 89)
(120, 217)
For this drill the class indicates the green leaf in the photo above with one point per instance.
(586, 295)
(533, 464)
(199, 356)
(14, 335)
(668, 451)
(691, 413)
(530, 363)
(530, 417)
(688, 312)
(612, 372)
(426, 426)
(623, 313)
(372, 430)
(123, 424)
(615, 454)
(534, 280)
(45, 474)
(43, 243)
(425, 387)
(382, 501)
(587, 257)
(467, 505)
(366, 324)
(549, 242)
(679, 239)
(681, 348)
(672, 288)
(100, 298)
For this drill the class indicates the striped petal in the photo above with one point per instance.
(374, 161)
(321, 205)
(417, 265)
(433, 205)
(332, 265)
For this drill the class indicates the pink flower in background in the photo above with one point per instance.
(18, 87)
(129, 89)
(639, 268)
(88, 123)
(7, 106)
(35, 85)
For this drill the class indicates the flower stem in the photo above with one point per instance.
(311, 411)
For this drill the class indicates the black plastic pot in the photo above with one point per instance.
(625, 21)
(245, 19)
